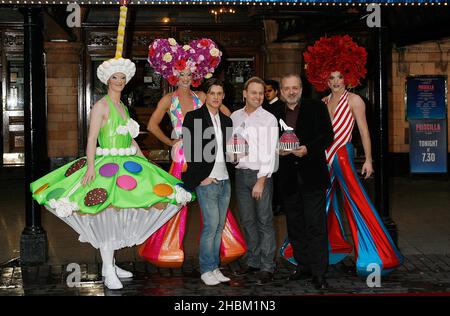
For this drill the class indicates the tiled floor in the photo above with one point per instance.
(421, 274)
(420, 208)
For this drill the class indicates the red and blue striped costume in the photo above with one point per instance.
(371, 240)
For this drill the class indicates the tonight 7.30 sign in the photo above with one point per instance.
(427, 115)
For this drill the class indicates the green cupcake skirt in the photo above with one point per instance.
(128, 181)
(121, 198)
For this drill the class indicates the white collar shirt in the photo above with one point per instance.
(260, 129)
(273, 100)
(219, 170)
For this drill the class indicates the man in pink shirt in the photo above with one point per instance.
(253, 180)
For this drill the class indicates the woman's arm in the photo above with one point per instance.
(201, 95)
(98, 114)
(225, 110)
(139, 152)
(359, 112)
(156, 118)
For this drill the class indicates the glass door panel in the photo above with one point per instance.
(237, 72)
(13, 120)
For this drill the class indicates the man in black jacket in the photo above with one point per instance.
(273, 104)
(204, 141)
(304, 190)
(271, 91)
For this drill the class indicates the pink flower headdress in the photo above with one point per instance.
(168, 58)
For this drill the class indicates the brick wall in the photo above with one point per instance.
(62, 98)
(429, 58)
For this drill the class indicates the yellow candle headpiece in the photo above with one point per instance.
(118, 63)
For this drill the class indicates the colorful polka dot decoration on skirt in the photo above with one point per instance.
(42, 188)
(108, 169)
(132, 167)
(77, 165)
(162, 189)
(126, 182)
(95, 197)
(55, 194)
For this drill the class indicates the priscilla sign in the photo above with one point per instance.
(428, 146)
(427, 116)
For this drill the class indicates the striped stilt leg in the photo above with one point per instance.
(372, 242)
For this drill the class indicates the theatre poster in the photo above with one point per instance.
(426, 101)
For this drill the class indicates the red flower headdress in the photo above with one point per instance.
(336, 53)
(168, 58)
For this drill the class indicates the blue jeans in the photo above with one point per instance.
(256, 219)
(214, 199)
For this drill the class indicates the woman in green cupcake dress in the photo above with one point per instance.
(113, 197)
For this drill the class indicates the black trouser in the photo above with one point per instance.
(307, 228)
(276, 196)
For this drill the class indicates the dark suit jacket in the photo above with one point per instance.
(314, 130)
(197, 171)
(274, 107)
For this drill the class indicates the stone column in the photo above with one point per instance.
(283, 58)
(33, 241)
(381, 140)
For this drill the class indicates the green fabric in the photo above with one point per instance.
(108, 137)
(140, 197)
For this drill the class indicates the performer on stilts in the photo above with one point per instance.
(113, 198)
(336, 63)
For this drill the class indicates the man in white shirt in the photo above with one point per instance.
(254, 182)
(204, 141)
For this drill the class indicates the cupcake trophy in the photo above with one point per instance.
(238, 145)
(288, 140)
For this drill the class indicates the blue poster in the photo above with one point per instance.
(428, 146)
(426, 97)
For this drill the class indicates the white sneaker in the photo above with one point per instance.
(112, 282)
(219, 276)
(121, 273)
(209, 279)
